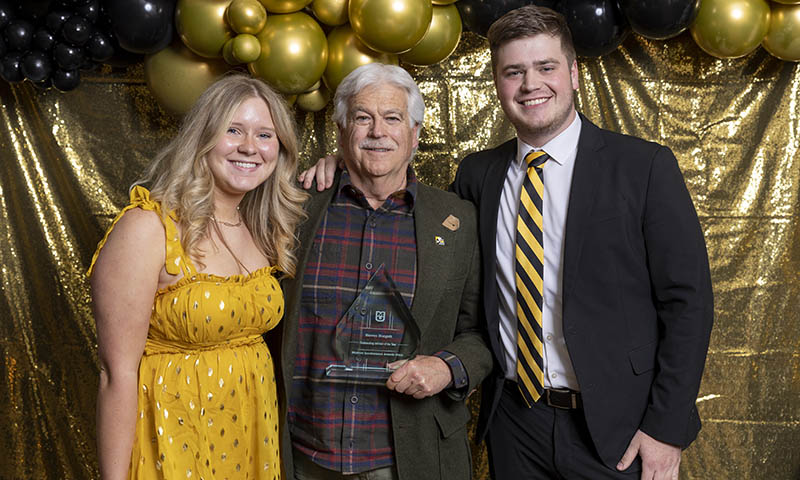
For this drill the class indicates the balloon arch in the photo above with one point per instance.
(304, 48)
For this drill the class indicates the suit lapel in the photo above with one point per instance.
(433, 259)
(581, 198)
(490, 203)
(491, 192)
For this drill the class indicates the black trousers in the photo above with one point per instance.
(544, 442)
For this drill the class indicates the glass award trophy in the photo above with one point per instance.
(376, 330)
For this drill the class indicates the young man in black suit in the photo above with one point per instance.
(596, 282)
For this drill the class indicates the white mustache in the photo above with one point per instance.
(371, 144)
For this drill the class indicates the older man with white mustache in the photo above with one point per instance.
(378, 216)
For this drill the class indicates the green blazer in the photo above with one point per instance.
(430, 435)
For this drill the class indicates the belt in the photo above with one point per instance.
(155, 346)
(563, 398)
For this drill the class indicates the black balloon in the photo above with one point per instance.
(33, 9)
(66, 80)
(90, 11)
(19, 34)
(36, 66)
(598, 27)
(478, 15)
(55, 19)
(76, 30)
(71, 4)
(6, 14)
(10, 67)
(122, 57)
(100, 47)
(68, 57)
(88, 64)
(142, 26)
(103, 22)
(44, 84)
(662, 19)
(43, 40)
(3, 48)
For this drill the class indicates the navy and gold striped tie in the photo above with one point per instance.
(529, 278)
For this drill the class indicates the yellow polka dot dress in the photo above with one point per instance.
(207, 402)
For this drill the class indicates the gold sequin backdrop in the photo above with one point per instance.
(66, 161)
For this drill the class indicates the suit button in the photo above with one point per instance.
(354, 399)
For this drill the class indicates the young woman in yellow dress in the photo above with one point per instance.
(184, 285)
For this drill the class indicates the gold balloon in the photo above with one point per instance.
(314, 101)
(346, 53)
(730, 28)
(783, 39)
(330, 12)
(246, 16)
(788, 2)
(290, 99)
(294, 52)
(202, 27)
(177, 77)
(245, 48)
(391, 26)
(284, 6)
(314, 87)
(227, 53)
(443, 2)
(440, 40)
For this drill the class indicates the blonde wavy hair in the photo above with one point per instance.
(179, 176)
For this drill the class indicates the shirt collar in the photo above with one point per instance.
(561, 148)
(403, 197)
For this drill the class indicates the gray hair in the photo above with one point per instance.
(376, 74)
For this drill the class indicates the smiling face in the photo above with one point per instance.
(379, 140)
(246, 153)
(535, 84)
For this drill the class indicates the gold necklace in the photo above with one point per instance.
(228, 224)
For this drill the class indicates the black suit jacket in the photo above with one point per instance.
(637, 300)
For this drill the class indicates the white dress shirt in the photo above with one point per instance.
(558, 371)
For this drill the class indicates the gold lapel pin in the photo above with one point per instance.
(451, 223)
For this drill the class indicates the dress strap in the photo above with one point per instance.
(176, 260)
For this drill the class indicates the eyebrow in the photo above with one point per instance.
(359, 108)
(239, 124)
(521, 66)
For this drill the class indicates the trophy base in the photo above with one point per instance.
(362, 375)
